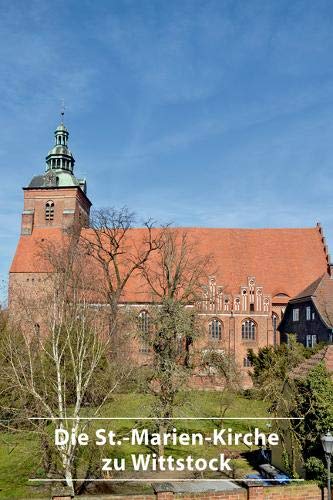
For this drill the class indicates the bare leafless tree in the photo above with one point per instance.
(176, 275)
(119, 251)
(178, 271)
(222, 369)
(56, 346)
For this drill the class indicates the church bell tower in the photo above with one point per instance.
(56, 199)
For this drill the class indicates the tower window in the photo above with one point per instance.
(215, 329)
(49, 210)
(248, 330)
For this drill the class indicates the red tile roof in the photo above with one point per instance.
(283, 261)
(310, 290)
(325, 355)
(28, 255)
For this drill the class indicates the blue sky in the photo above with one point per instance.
(204, 113)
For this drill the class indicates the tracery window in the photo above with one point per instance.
(37, 328)
(49, 210)
(215, 329)
(274, 326)
(248, 329)
(144, 326)
(246, 362)
(144, 322)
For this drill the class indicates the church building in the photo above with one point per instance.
(258, 271)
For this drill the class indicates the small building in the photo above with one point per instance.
(287, 446)
(309, 315)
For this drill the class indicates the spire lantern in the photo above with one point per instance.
(60, 158)
(61, 135)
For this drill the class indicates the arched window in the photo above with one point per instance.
(49, 210)
(246, 362)
(37, 329)
(215, 329)
(248, 329)
(144, 325)
(274, 326)
(144, 322)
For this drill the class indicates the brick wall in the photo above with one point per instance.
(255, 492)
(306, 492)
(68, 202)
(226, 495)
(294, 492)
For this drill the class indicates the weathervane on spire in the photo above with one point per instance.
(62, 110)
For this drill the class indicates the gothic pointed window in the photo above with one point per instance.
(274, 326)
(215, 329)
(247, 363)
(49, 210)
(144, 322)
(37, 330)
(144, 326)
(248, 329)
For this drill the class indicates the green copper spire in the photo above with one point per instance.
(59, 164)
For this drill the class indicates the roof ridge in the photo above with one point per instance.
(282, 261)
(311, 289)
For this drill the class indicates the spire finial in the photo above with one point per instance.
(62, 109)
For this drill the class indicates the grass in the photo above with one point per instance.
(20, 454)
(19, 458)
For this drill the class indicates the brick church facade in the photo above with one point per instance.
(257, 270)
